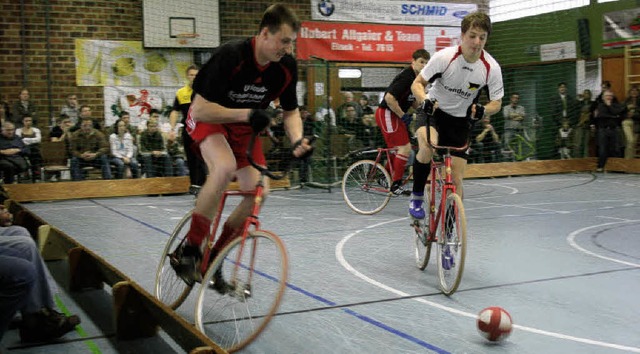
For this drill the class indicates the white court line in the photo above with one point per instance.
(340, 256)
(571, 239)
(513, 190)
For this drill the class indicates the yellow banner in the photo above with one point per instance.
(127, 63)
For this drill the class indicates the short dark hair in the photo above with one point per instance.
(476, 19)
(277, 15)
(153, 111)
(124, 113)
(421, 53)
(191, 67)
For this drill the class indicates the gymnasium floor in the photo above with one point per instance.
(560, 252)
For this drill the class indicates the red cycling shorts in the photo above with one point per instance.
(238, 136)
(392, 127)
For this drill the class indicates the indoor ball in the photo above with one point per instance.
(494, 323)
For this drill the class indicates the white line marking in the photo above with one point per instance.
(340, 257)
(571, 239)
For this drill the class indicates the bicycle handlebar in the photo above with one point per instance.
(264, 170)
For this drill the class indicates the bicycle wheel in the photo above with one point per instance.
(421, 235)
(169, 288)
(252, 276)
(452, 245)
(365, 187)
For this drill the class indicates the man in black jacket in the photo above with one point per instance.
(607, 119)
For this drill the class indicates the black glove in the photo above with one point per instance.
(479, 112)
(259, 120)
(299, 142)
(427, 106)
(407, 118)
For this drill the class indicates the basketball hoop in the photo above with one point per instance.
(186, 38)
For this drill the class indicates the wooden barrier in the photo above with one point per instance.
(137, 313)
(108, 188)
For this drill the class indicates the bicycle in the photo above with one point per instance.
(365, 183)
(522, 144)
(235, 305)
(445, 224)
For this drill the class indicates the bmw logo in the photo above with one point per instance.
(326, 8)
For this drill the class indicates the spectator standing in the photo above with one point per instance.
(13, 153)
(89, 148)
(181, 104)
(607, 120)
(326, 114)
(123, 151)
(582, 130)
(23, 107)
(514, 116)
(631, 123)
(563, 106)
(564, 140)
(32, 138)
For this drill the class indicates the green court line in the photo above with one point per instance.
(90, 343)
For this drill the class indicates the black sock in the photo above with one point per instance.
(420, 175)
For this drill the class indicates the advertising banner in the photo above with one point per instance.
(391, 12)
(358, 42)
(127, 63)
(621, 28)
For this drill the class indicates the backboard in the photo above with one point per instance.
(181, 24)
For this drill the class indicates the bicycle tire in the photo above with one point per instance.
(453, 247)
(365, 187)
(422, 245)
(256, 272)
(169, 288)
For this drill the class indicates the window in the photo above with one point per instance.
(503, 10)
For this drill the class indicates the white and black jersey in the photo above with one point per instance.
(456, 83)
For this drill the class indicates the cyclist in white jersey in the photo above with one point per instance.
(457, 75)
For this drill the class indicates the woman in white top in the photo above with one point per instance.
(31, 137)
(123, 151)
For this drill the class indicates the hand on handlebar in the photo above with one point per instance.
(427, 106)
(259, 120)
(303, 148)
(475, 114)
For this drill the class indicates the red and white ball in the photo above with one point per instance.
(494, 323)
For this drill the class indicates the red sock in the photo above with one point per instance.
(227, 235)
(390, 162)
(398, 166)
(200, 227)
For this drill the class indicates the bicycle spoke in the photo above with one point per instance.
(256, 275)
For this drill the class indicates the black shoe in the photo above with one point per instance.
(382, 181)
(194, 190)
(219, 284)
(397, 188)
(186, 262)
(45, 325)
